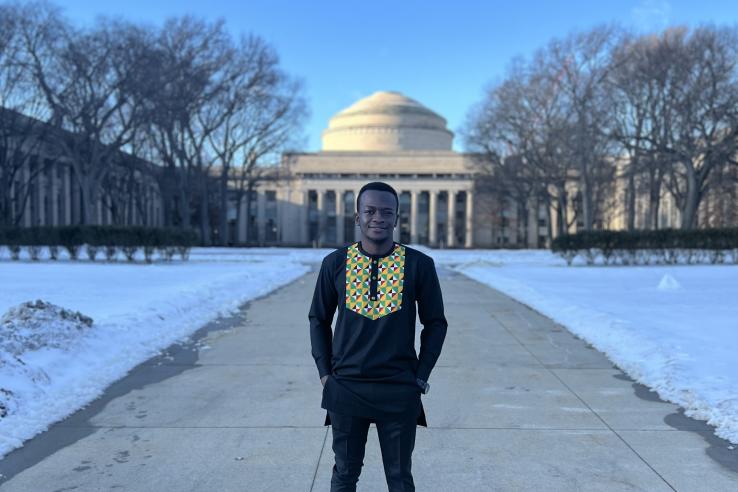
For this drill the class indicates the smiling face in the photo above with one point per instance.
(377, 215)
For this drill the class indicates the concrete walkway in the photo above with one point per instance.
(517, 403)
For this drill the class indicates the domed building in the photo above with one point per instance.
(388, 137)
(387, 122)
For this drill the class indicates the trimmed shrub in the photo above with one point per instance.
(71, 238)
(641, 247)
(94, 239)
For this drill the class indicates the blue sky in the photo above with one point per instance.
(441, 53)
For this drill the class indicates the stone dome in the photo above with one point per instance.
(387, 122)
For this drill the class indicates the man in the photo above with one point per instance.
(369, 368)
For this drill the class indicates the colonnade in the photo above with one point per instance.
(54, 200)
(454, 235)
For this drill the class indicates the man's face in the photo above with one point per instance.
(377, 215)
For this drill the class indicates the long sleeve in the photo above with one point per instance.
(325, 300)
(430, 312)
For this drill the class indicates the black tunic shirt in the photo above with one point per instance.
(370, 357)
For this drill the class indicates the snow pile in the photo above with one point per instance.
(33, 325)
(28, 327)
(20, 383)
(669, 283)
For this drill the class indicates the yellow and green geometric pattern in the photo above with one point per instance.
(390, 276)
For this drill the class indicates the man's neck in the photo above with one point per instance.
(374, 248)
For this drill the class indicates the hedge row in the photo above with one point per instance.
(669, 246)
(107, 239)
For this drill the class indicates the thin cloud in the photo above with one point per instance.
(651, 14)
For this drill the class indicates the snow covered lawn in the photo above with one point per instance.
(138, 310)
(671, 328)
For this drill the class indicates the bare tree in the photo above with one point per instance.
(188, 63)
(663, 108)
(86, 79)
(580, 65)
(22, 131)
(686, 84)
(263, 109)
(631, 96)
(704, 136)
(525, 117)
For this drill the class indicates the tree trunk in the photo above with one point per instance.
(237, 239)
(129, 201)
(204, 216)
(249, 231)
(630, 201)
(88, 195)
(549, 229)
(523, 211)
(654, 199)
(561, 212)
(225, 232)
(184, 208)
(692, 200)
(6, 203)
(586, 193)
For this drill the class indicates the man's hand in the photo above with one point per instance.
(323, 379)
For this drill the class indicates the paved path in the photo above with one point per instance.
(517, 403)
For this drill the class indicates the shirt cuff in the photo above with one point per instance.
(423, 371)
(322, 371)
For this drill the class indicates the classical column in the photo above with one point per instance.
(283, 199)
(243, 222)
(26, 177)
(41, 194)
(432, 204)
(321, 217)
(357, 229)
(554, 221)
(450, 219)
(413, 216)
(53, 192)
(469, 239)
(339, 217)
(303, 212)
(153, 197)
(261, 215)
(570, 212)
(66, 196)
(59, 194)
(533, 227)
(103, 208)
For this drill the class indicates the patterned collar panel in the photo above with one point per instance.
(390, 275)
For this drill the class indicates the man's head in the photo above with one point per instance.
(377, 211)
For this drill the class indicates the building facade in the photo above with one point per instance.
(443, 203)
(384, 137)
(41, 188)
(309, 198)
(53, 198)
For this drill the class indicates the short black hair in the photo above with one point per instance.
(381, 186)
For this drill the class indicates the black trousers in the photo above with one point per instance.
(396, 440)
